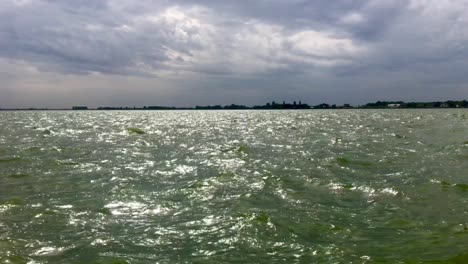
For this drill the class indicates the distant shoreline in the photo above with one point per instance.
(270, 106)
(193, 109)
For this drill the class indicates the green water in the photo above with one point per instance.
(345, 186)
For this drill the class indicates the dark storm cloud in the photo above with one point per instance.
(119, 37)
(69, 37)
(311, 47)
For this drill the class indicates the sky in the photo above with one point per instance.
(60, 53)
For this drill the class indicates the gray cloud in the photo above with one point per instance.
(336, 51)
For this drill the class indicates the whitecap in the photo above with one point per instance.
(390, 191)
(67, 206)
(49, 251)
(134, 208)
(184, 169)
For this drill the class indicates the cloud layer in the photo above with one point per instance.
(188, 52)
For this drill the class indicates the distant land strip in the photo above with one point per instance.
(275, 106)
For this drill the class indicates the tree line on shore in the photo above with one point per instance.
(284, 105)
(299, 105)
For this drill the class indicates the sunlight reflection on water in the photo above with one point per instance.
(350, 186)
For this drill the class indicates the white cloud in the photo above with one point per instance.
(352, 18)
(246, 47)
(324, 45)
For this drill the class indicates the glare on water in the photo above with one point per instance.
(343, 186)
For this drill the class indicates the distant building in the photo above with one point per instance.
(444, 105)
(80, 108)
(394, 105)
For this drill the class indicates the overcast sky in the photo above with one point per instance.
(59, 53)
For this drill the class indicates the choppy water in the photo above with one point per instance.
(350, 186)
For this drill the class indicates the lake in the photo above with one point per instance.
(311, 186)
